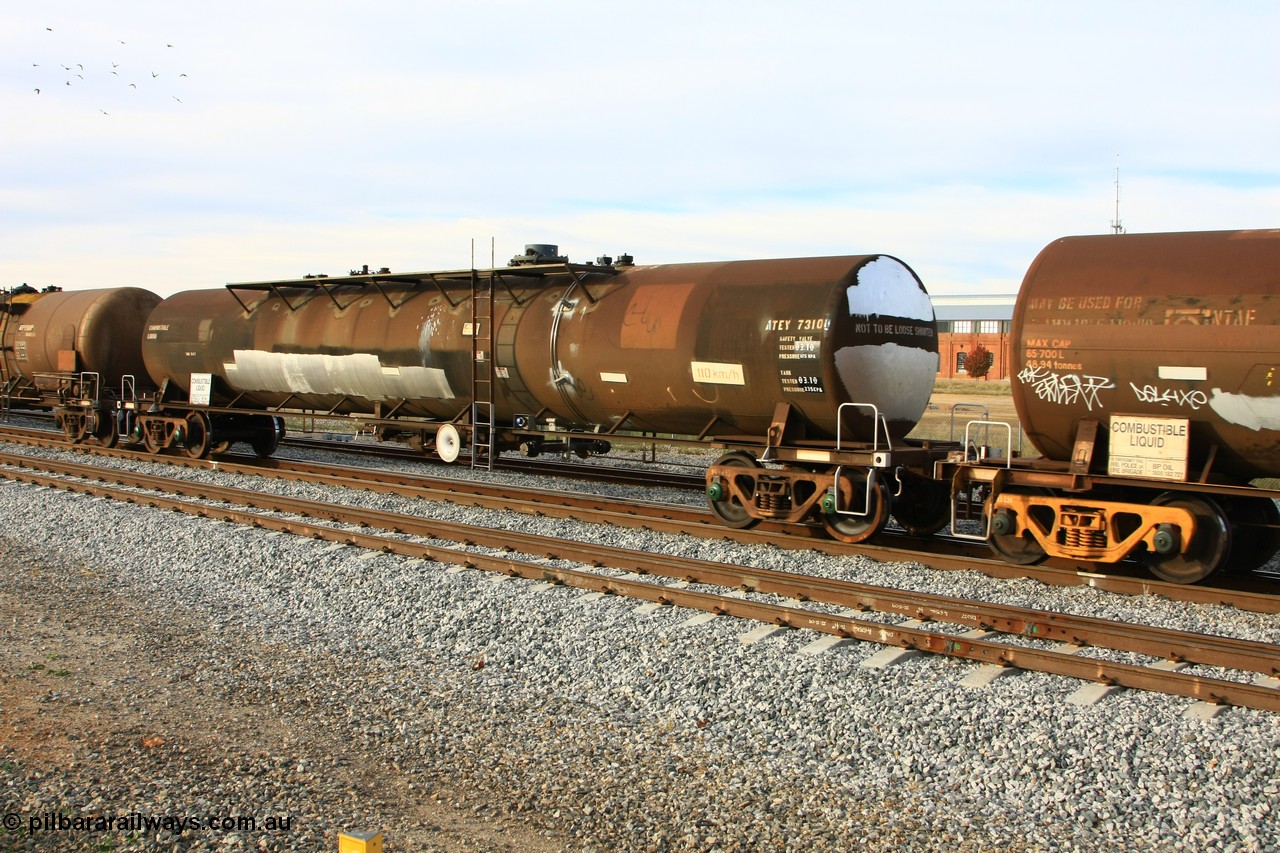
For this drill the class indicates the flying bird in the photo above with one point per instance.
(37, 91)
(176, 98)
(154, 74)
(133, 85)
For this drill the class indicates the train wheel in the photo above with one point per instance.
(104, 432)
(1254, 537)
(107, 438)
(724, 505)
(1207, 552)
(127, 429)
(924, 507)
(859, 528)
(268, 437)
(1020, 549)
(196, 441)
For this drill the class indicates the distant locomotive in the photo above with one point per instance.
(1146, 373)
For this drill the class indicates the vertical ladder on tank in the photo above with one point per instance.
(8, 379)
(482, 337)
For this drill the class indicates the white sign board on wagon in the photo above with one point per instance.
(201, 389)
(1155, 448)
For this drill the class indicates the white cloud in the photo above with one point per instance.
(960, 138)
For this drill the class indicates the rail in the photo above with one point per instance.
(978, 644)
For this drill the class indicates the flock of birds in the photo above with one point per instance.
(78, 70)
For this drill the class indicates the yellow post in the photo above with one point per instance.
(360, 842)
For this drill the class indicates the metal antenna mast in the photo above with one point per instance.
(1117, 226)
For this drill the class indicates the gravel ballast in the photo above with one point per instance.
(162, 664)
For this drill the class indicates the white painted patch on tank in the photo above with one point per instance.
(897, 379)
(424, 336)
(1256, 413)
(357, 375)
(886, 287)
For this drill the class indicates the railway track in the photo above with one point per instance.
(1246, 593)
(996, 635)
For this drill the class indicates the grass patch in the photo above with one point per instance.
(974, 387)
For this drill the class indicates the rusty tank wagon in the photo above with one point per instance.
(75, 352)
(1147, 371)
(817, 365)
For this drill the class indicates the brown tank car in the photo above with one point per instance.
(60, 346)
(544, 354)
(1183, 326)
(705, 349)
(1147, 371)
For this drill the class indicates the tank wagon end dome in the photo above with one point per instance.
(896, 338)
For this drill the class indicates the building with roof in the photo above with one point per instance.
(964, 321)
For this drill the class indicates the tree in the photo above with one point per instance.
(979, 362)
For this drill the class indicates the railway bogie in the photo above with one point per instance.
(1182, 536)
(198, 432)
(851, 492)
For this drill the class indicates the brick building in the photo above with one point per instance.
(965, 321)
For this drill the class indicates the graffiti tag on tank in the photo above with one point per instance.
(1169, 396)
(652, 319)
(1065, 389)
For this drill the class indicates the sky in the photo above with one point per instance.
(179, 145)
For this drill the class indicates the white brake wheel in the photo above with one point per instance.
(448, 443)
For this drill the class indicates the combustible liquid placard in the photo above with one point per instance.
(1155, 448)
